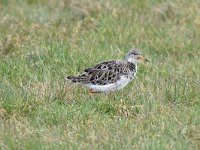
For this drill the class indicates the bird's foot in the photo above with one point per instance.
(91, 92)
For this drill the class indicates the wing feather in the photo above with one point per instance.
(103, 73)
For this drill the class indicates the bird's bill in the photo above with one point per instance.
(142, 58)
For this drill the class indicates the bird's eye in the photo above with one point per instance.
(133, 53)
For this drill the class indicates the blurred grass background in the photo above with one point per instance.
(42, 41)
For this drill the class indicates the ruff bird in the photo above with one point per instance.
(110, 76)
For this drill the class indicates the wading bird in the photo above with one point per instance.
(109, 76)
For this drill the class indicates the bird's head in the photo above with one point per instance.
(134, 56)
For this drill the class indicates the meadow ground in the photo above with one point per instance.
(42, 41)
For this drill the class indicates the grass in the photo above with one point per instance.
(42, 41)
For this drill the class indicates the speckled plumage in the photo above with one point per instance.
(110, 75)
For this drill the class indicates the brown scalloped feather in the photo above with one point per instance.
(104, 73)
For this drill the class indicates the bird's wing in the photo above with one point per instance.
(103, 73)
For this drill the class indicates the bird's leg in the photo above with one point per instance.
(91, 92)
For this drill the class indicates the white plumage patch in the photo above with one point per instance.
(124, 80)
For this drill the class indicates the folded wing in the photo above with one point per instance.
(103, 73)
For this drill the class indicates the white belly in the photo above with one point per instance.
(110, 87)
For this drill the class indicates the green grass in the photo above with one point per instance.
(42, 41)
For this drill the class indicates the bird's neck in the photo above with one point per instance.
(132, 66)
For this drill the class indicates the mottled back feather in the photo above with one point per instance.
(105, 73)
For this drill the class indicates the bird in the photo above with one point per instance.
(110, 76)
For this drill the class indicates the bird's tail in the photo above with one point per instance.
(77, 79)
(71, 78)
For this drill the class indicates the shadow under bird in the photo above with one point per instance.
(109, 76)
